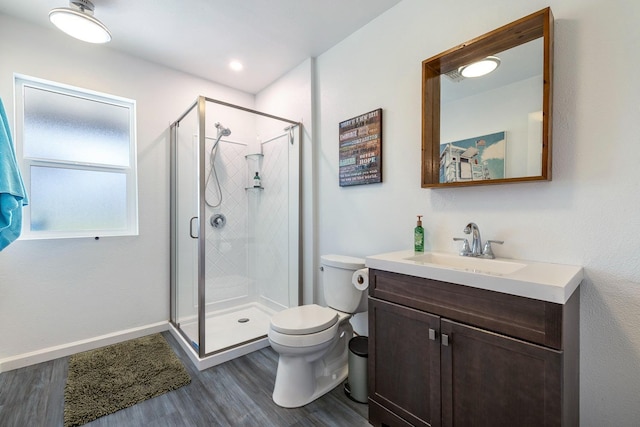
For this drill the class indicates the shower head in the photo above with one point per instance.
(222, 131)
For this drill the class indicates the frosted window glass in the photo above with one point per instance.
(77, 200)
(64, 127)
(78, 147)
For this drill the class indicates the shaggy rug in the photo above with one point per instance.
(103, 381)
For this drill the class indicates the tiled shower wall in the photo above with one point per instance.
(272, 225)
(247, 259)
(226, 270)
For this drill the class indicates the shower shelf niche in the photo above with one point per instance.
(254, 165)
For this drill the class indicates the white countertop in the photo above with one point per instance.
(537, 280)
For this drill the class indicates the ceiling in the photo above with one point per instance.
(201, 37)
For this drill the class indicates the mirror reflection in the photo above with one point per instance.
(491, 126)
(494, 128)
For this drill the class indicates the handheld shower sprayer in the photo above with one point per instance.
(222, 131)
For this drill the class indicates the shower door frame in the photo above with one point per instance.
(200, 104)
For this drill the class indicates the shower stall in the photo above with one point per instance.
(235, 227)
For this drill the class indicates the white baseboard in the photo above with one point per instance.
(51, 353)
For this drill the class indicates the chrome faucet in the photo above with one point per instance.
(476, 249)
(476, 242)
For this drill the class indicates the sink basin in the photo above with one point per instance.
(475, 265)
(538, 280)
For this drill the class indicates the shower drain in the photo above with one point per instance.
(243, 320)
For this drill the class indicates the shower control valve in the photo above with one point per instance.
(218, 220)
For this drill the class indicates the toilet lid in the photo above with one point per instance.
(306, 319)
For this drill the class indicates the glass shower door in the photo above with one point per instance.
(229, 278)
(185, 223)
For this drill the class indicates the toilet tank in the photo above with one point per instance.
(339, 293)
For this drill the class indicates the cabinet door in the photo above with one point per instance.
(404, 363)
(493, 380)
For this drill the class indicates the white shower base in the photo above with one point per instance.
(225, 334)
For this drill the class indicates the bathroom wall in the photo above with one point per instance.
(57, 292)
(588, 215)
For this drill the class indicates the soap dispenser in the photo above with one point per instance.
(418, 236)
(256, 181)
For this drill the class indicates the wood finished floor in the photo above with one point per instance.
(236, 393)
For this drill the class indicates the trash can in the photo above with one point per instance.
(356, 387)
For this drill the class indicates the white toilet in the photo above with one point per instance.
(312, 341)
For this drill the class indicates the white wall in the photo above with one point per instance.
(588, 215)
(56, 292)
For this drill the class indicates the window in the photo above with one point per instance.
(78, 151)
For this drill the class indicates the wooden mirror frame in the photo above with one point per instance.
(531, 27)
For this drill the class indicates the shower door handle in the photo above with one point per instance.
(191, 227)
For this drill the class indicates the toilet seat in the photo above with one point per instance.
(304, 320)
(304, 341)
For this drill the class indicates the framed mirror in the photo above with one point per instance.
(496, 128)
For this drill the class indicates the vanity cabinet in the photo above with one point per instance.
(442, 354)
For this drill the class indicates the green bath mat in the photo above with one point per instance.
(105, 380)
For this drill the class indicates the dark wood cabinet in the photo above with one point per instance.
(442, 354)
(406, 377)
(493, 380)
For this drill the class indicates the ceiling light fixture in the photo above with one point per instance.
(480, 68)
(236, 65)
(78, 21)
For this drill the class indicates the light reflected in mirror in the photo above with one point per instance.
(507, 101)
(495, 128)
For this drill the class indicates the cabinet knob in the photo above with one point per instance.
(432, 334)
(445, 340)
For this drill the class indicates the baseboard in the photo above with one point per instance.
(51, 353)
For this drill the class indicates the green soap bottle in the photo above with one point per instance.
(418, 236)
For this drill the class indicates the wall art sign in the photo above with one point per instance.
(361, 149)
(473, 159)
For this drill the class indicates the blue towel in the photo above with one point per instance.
(12, 192)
